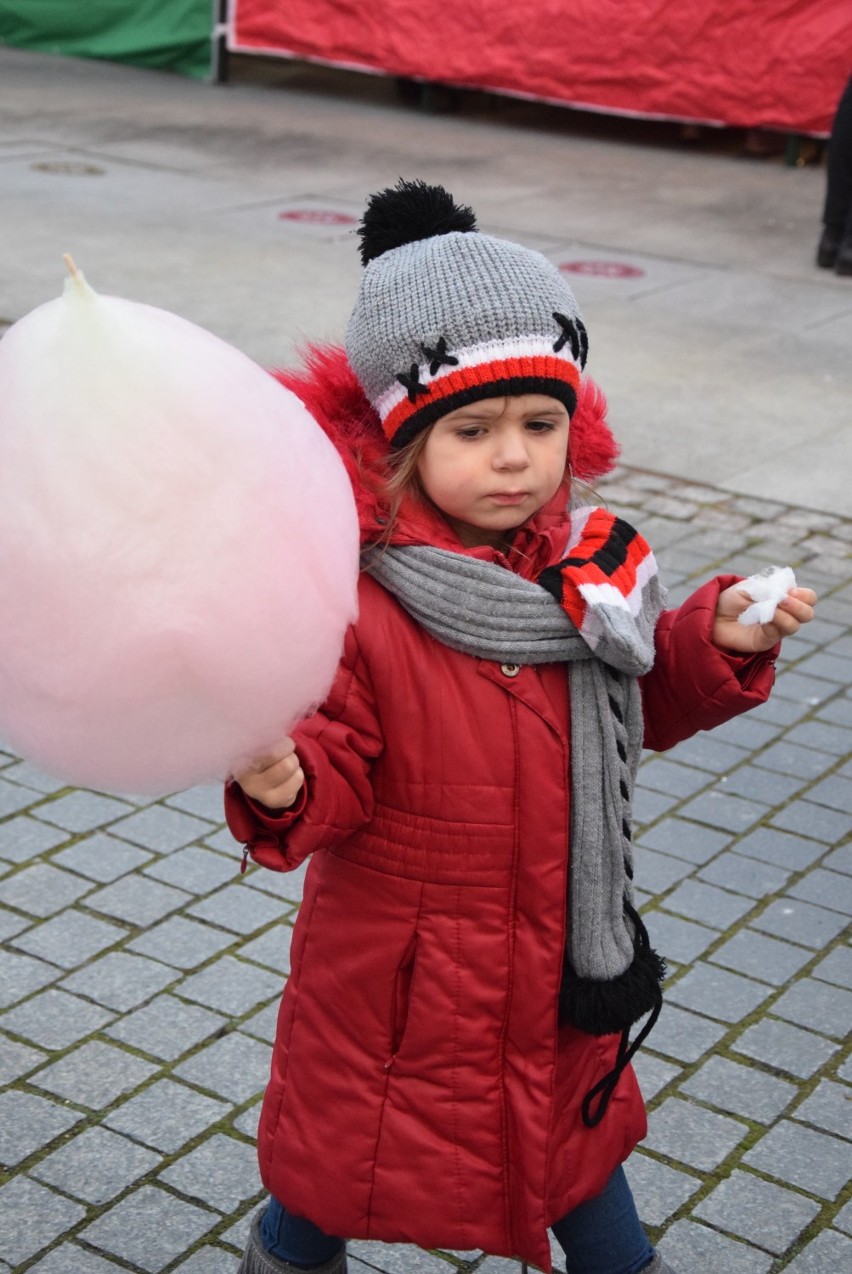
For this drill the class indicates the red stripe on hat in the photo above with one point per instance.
(536, 365)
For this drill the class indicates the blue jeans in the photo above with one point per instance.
(602, 1236)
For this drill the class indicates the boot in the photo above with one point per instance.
(258, 1261)
(658, 1266)
(829, 246)
(843, 260)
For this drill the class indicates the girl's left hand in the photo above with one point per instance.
(796, 609)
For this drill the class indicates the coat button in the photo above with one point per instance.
(510, 670)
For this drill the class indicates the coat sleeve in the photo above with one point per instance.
(336, 747)
(694, 685)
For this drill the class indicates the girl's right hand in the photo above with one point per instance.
(274, 779)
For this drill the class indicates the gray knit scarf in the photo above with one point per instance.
(596, 610)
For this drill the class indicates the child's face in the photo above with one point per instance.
(493, 464)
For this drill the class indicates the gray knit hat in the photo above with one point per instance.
(446, 315)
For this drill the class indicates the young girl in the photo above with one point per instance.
(451, 1066)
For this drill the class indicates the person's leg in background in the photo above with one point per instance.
(605, 1235)
(835, 245)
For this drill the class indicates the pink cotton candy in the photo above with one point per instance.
(178, 548)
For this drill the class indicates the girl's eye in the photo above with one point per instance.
(540, 426)
(472, 431)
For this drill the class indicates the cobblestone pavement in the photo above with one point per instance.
(141, 975)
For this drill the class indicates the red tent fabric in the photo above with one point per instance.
(779, 64)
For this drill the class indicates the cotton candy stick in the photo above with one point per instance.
(178, 548)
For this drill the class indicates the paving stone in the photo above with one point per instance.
(223, 842)
(23, 838)
(120, 981)
(263, 1024)
(166, 1027)
(708, 753)
(658, 1189)
(221, 1172)
(28, 1123)
(781, 711)
(42, 890)
(400, 1258)
(781, 848)
(180, 942)
(814, 820)
(82, 811)
(691, 841)
(20, 975)
(762, 1213)
(126, 1231)
(803, 1157)
(32, 1217)
(838, 711)
(818, 1006)
(247, 1122)
(206, 801)
(672, 778)
(198, 871)
(830, 1107)
(288, 885)
(17, 1059)
(101, 857)
(707, 904)
(742, 1090)
(54, 1019)
(658, 872)
(94, 1075)
(820, 736)
(30, 776)
(234, 1067)
(208, 1260)
(790, 919)
(14, 798)
(11, 924)
(836, 967)
(687, 1246)
(766, 786)
(677, 939)
(843, 1220)
(746, 732)
(834, 792)
(844, 1071)
(682, 1035)
(238, 909)
(829, 889)
(71, 1259)
(828, 666)
(797, 760)
(96, 1165)
(696, 1137)
(785, 1047)
(828, 1253)
(238, 1236)
(271, 948)
(750, 876)
(649, 806)
(70, 939)
(232, 986)
(717, 993)
(167, 1115)
(839, 860)
(161, 829)
(806, 691)
(137, 900)
(760, 957)
(491, 1265)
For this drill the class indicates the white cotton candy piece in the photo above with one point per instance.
(178, 549)
(766, 589)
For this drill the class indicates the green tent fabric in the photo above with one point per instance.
(170, 35)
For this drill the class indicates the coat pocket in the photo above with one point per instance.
(402, 998)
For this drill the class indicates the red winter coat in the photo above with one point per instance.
(421, 1091)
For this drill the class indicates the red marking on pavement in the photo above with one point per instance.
(318, 217)
(602, 269)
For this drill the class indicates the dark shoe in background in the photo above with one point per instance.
(843, 257)
(829, 246)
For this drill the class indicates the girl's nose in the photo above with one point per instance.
(511, 451)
